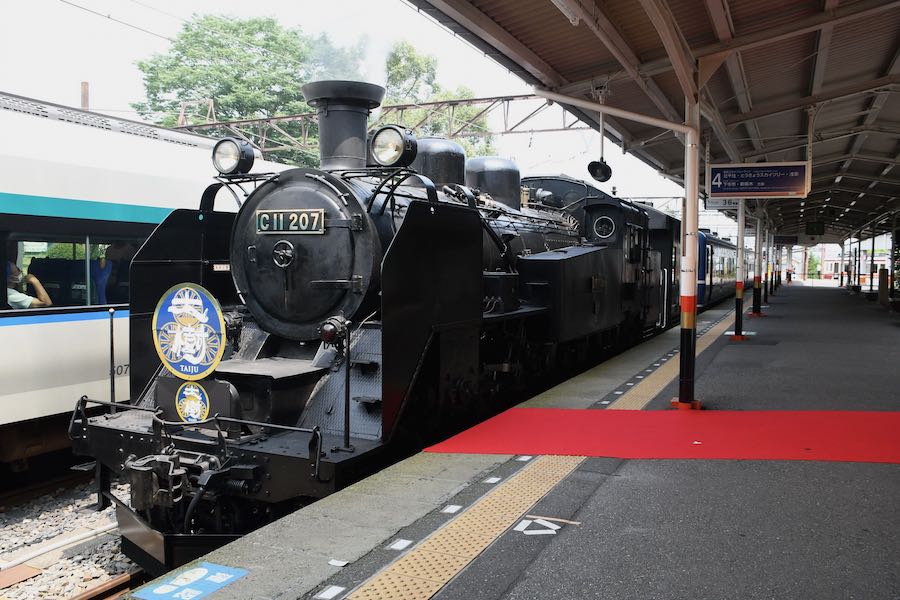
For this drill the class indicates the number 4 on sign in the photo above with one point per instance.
(537, 527)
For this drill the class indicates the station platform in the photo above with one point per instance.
(497, 514)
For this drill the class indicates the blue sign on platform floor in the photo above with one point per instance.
(192, 584)
(759, 180)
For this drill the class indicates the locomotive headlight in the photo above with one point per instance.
(232, 156)
(393, 146)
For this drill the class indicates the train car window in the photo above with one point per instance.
(110, 268)
(634, 243)
(42, 271)
(45, 272)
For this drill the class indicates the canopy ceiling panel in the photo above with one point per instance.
(765, 67)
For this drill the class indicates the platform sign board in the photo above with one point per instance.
(759, 180)
(786, 240)
(815, 228)
(723, 203)
(192, 583)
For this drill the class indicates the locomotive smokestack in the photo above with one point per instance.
(343, 109)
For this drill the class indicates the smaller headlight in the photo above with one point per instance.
(393, 146)
(232, 156)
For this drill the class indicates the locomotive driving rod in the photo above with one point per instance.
(689, 224)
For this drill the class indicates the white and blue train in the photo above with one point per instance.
(79, 193)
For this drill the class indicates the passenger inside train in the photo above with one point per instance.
(16, 282)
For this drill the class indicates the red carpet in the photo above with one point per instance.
(848, 436)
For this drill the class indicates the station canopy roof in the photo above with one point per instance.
(765, 71)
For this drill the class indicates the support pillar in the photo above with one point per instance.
(689, 246)
(790, 262)
(777, 280)
(740, 277)
(773, 267)
(859, 259)
(689, 253)
(872, 264)
(843, 266)
(768, 256)
(757, 271)
(893, 262)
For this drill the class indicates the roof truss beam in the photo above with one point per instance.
(771, 35)
(734, 66)
(823, 43)
(884, 160)
(604, 30)
(487, 29)
(858, 177)
(677, 49)
(686, 69)
(767, 110)
(875, 107)
(822, 138)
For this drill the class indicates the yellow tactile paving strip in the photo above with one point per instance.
(641, 394)
(425, 569)
(429, 566)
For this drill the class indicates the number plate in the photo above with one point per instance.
(299, 220)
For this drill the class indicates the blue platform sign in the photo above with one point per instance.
(759, 180)
(191, 584)
(786, 240)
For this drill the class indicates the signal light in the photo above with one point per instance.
(599, 170)
(333, 330)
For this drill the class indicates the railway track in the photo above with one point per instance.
(115, 587)
(57, 546)
(23, 494)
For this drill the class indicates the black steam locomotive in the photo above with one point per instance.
(278, 352)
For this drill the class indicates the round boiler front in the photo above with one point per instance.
(303, 249)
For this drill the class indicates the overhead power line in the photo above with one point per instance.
(220, 34)
(119, 21)
(217, 32)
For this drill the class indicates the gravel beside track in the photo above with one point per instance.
(53, 517)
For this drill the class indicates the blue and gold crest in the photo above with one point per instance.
(189, 331)
(192, 402)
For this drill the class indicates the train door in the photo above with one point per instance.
(655, 284)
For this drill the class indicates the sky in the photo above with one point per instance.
(50, 46)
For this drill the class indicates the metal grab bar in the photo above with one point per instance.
(81, 406)
(664, 313)
(216, 419)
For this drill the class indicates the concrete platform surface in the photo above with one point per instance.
(634, 529)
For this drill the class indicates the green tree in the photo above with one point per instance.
(250, 68)
(411, 79)
(410, 75)
(812, 266)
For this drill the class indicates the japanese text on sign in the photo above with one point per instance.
(759, 180)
